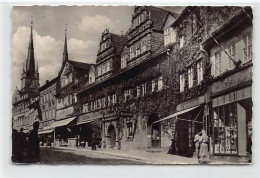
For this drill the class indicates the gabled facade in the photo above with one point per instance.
(108, 57)
(145, 35)
(71, 76)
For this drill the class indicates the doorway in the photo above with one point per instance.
(153, 132)
(111, 136)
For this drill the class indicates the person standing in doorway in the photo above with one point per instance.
(204, 139)
(197, 144)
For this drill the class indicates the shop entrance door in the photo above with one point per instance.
(182, 138)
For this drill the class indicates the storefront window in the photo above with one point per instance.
(225, 129)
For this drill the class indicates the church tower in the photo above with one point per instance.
(30, 75)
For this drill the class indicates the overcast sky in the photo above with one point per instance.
(85, 25)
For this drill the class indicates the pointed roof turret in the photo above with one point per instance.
(23, 68)
(65, 51)
(37, 68)
(30, 63)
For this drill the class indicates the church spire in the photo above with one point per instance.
(65, 51)
(30, 63)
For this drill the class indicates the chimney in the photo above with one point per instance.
(47, 81)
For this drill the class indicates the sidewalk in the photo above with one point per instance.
(147, 157)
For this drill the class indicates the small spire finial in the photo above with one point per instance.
(37, 67)
(66, 28)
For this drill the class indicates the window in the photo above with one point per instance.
(132, 52)
(123, 61)
(53, 112)
(138, 91)
(129, 130)
(247, 47)
(75, 98)
(218, 63)
(182, 82)
(99, 70)
(232, 54)
(153, 85)
(138, 49)
(109, 100)
(143, 45)
(160, 83)
(103, 68)
(190, 77)
(91, 77)
(169, 36)
(181, 41)
(108, 66)
(114, 99)
(50, 114)
(127, 94)
(199, 71)
(144, 89)
(91, 106)
(225, 129)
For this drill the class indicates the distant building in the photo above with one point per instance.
(47, 102)
(28, 93)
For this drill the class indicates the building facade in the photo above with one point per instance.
(231, 87)
(47, 102)
(114, 102)
(71, 75)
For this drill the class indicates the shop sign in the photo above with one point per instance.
(64, 113)
(232, 81)
(191, 103)
(88, 117)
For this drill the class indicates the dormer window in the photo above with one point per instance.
(181, 41)
(169, 36)
(123, 61)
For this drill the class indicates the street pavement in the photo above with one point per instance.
(69, 156)
(72, 155)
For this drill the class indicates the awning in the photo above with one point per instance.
(45, 131)
(176, 114)
(62, 122)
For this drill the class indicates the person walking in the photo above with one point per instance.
(203, 147)
(93, 142)
(34, 148)
(197, 144)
